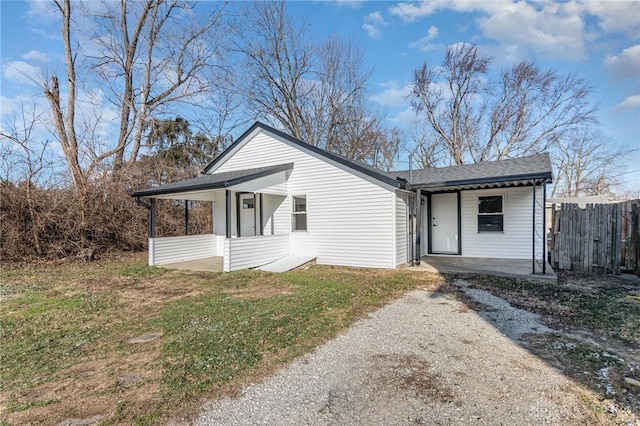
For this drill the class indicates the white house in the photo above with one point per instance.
(275, 196)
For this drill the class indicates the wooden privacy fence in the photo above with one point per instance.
(601, 238)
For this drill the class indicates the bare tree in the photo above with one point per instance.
(148, 55)
(278, 63)
(528, 110)
(316, 91)
(586, 164)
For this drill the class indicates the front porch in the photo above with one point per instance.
(251, 220)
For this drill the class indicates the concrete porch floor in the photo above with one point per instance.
(207, 264)
(513, 268)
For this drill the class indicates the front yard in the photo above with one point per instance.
(67, 330)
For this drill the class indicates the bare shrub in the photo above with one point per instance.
(49, 227)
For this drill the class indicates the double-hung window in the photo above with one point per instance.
(491, 214)
(299, 213)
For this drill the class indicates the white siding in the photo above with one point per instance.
(402, 229)
(349, 217)
(219, 219)
(180, 249)
(250, 252)
(275, 215)
(516, 240)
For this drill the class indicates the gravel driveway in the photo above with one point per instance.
(424, 359)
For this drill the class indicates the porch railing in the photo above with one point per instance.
(167, 250)
(249, 252)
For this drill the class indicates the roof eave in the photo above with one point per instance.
(545, 177)
(212, 185)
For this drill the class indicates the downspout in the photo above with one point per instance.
(151, 227)
(151, 208)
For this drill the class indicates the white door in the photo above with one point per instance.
(444, 223)
(247, 216)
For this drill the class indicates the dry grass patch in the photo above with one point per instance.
(65, 330)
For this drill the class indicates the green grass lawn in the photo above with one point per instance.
(65, 331)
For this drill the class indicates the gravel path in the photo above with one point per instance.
(424, 359)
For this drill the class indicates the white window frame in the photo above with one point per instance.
(294, 213)
(503, 213)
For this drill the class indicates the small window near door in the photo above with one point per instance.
(490, 214)
(299, 214)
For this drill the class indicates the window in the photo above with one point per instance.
(299, 214)
(490, 214)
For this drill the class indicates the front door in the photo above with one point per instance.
(247, 216)
(444, 223)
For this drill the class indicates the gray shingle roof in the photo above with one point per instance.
(213, 181)
(510, 172)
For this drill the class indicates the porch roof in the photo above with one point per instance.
(213, 181)
(498, 174)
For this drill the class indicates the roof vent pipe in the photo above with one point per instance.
(410, 168)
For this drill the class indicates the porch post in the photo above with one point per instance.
(186, 217)
(152, 218)
(227, 216)
(412, 210)
(261, 216)
(255, 215)
(533, 234)
(544, 228)
(418, 223)
(238, 210)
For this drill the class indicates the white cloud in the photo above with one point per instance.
(394, 94)
(549, 31)
(626, 65)
(410, 12)
(632, 101)
(372, 24)
(405, 119)
(22, 73)
(424, 44)
(371, 30)
(353, 4)
(35, 55)
(616, 16)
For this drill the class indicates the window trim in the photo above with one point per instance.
(294, 213)
(502, 213)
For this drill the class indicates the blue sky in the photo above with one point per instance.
(598, 40)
